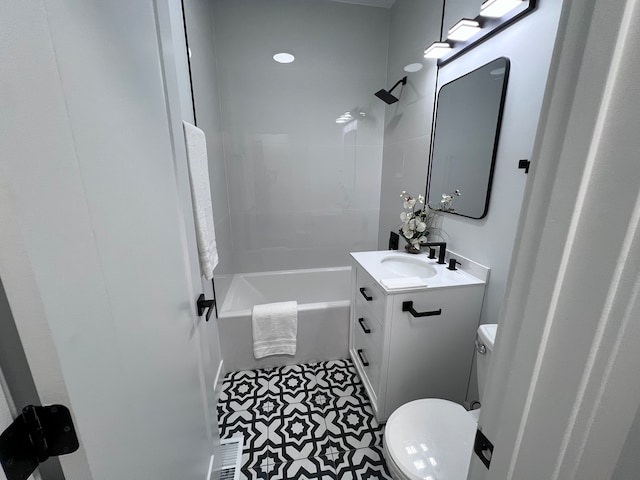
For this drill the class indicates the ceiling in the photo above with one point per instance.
(370, 3)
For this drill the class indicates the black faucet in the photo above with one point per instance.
(442, 250)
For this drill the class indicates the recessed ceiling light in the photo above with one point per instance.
(463, 30)
(284, 57)
(498, 8)
(437, 50)
(413, 67)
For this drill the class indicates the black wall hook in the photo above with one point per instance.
(202, 305)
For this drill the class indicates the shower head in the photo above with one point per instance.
(386, 96)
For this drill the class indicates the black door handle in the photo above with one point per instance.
(365, 329)
(362, 359)
(408, 307)
(364, 294)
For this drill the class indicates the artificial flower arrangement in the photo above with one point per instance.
(418, 219)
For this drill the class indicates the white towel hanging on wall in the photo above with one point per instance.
(201, 198)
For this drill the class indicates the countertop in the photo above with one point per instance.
(469, 273)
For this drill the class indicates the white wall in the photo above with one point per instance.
(628, 464)
(407, 135)
(528, 45)
(303, 190)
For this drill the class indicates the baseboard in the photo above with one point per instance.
(210, 472)
(217, 384)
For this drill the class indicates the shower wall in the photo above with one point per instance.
(303, 190)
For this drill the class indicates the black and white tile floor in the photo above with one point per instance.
(303, 422)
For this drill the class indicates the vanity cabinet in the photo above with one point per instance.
(401, 357)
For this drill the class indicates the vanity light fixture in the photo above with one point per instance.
(437, 50)
(463, 30)
(498, 8)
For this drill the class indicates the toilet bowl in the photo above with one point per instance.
(432, 438)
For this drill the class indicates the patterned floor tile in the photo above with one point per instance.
(340, 377)
(241, 390)
(268, 407)
(251, 474)
(293, 383)
(320, 468)
(352, 425)
(303, 422)
(298, 433)
(362, 464)
(259, 460)
(320, 400)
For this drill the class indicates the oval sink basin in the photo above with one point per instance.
(408, 267)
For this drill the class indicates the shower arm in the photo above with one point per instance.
(402, 81)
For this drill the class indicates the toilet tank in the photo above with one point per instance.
(485, 340)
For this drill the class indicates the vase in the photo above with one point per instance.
(410, 248)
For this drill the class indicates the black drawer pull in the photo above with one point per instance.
(364, 362)
(408, 307)
(364, 327)
(364, 294)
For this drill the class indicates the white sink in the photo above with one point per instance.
(408, 266)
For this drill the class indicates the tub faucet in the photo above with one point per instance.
(442, 250)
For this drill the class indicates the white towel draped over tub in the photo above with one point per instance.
(275, 329)
(201, 198)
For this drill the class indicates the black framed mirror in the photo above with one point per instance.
(465, 140)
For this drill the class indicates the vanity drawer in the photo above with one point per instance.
(370, 293)
(365, 354)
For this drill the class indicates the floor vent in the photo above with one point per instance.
(231, 453)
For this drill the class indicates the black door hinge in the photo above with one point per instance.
(524, 165)
(34, 436)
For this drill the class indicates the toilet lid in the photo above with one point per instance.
(431, 439)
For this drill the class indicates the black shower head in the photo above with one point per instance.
(386, 96)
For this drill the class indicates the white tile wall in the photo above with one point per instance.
(303, 191)
(414, 25)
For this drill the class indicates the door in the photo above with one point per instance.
(94, 248)
(563, 391)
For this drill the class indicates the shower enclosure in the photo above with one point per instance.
(295, 149)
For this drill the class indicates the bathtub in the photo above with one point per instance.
(323, 315)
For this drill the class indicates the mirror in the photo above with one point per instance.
(465, 141)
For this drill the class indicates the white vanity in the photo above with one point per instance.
(405, 351)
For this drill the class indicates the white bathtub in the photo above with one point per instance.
(323, 315)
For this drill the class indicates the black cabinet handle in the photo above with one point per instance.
(408, 307)
(364, 327)
(364, 294)
(364, 362)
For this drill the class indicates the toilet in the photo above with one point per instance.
(431, 438)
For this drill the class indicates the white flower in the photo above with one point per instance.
(406, 216)
(423, 239)
(421, 226)
(421, 198)
(409, 203)
(415, 242)
(412, 224)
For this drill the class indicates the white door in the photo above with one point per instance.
(94, 248)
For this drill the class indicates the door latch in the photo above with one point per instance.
(34, 436)
(483, 448)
